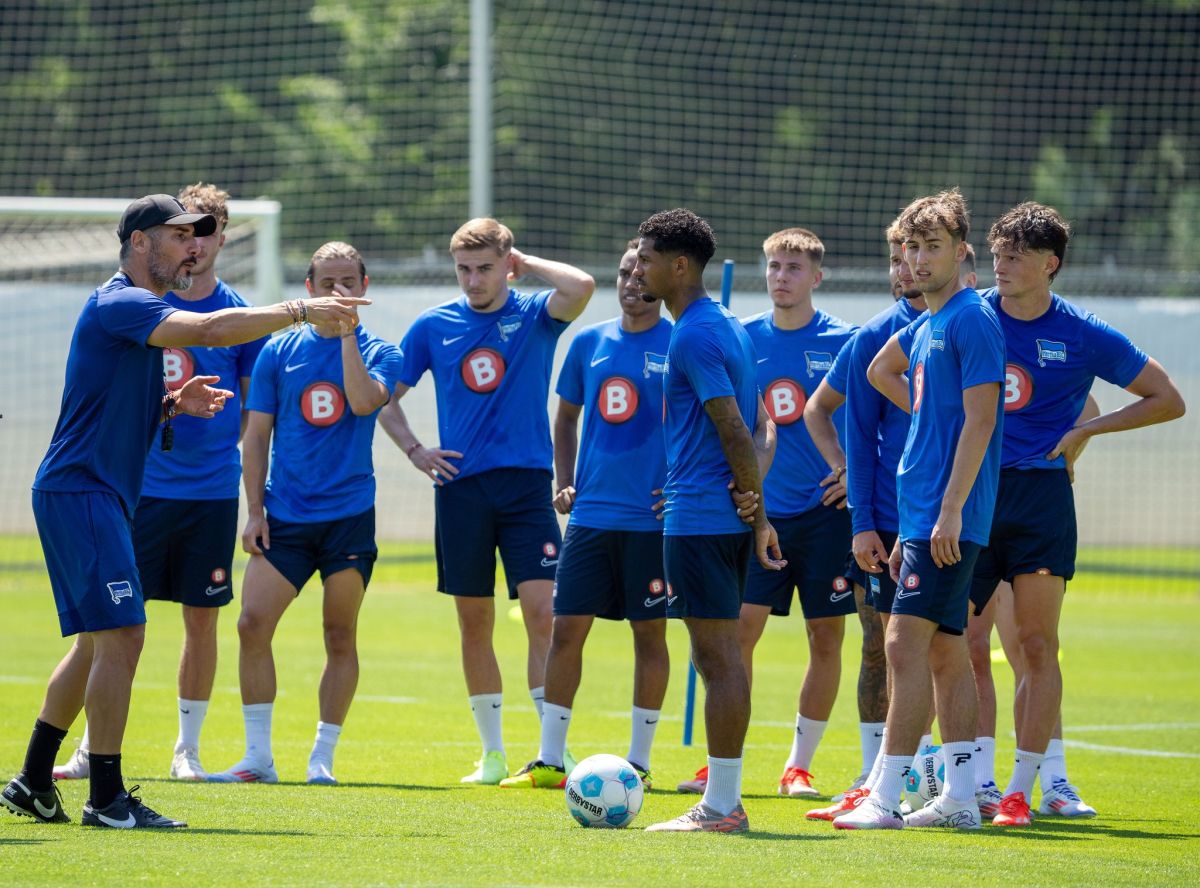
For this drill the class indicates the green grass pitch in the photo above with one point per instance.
(401, 817)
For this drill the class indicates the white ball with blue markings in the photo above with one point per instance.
(926, 782)
(604, 791)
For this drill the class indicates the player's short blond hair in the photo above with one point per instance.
(336, 250)
(481, 234)
(795, 240)
(947, 209)
(205, 198)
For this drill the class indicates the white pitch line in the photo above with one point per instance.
(1144, 726)
(1126, 750)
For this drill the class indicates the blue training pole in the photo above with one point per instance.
(689, 711)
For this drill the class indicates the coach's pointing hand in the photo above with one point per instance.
(335, 310)
(197, 397)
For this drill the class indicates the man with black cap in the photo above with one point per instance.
(86, 489)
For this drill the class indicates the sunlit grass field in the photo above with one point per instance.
(1132, 711)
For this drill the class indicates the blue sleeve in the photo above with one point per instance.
(979, 344)
(263, 393)
(414, 353)
(906, 336)
(132, 313)
(541, 301)
(248, 353)
(699, 355)
(1113, 357)
(864, 411)
(837, 375)
(384, 364)
(570, 378)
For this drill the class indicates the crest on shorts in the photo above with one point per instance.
(549, 550)
(912, 581)
(817, 362)
(840, 584)
(508, 326)
(218, 575)
(119, 589)
(1049, 350)
(654, 364)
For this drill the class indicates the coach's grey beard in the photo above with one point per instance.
(166, 277)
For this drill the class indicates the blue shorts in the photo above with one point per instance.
(184, 549)
(707, 574)
(937, 594)
(1033, 531)
(300, 549)
(613, 574)
(88, 543)
(505, 508)
(814, 544)
(880, 587)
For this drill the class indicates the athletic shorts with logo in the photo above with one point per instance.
(1033, 531)
(880, 588)
(184, 549)
(508, 509)
(814, 544)
(937, 594)
(300, 549)
(707, 574)
(612, 574)
(87, 539)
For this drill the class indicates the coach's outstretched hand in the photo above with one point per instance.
(335, 310)
(766, 546)
(197, 397)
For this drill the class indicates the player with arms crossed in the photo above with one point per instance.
(946, 489)
(712, 404)
(186, 520)
(611, 561)
(314, 398)
(491, 352)
(1054, 350)
(87, 488)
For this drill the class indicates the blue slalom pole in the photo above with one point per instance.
(689, 710)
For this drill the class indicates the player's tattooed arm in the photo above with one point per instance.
(742, 456)
(765, 439)
(887, 371)
(566, 449)
(256, 444)
(979, 421)
(573, 286)
(818, 420)
(431, 461)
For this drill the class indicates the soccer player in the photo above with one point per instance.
(712, 404)
(946, 487)
(314, 398)
(87, 487)
(1053, 351)
(611, 560)
(490, 352)
(186, 520)
(796, 344)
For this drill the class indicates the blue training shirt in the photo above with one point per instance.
(1051, 363)
(204, 463)
(791, 364)
(112, 396)
(617, 377)
(710, 356)
(491, 371)
(959, 347)
(876, 429)
(321, 467)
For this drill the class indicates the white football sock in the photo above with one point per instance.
(538, 696)
(1024, 773)
(191, 719)
(723, 792)
(877, 765)
(555, 721)
(323, 746)
(871, 736)
(258, 732)
(486, 709)
(1054, 765)
(645, 723)
(890, 782)
(985, 761)
(804, 742)
(959, 780)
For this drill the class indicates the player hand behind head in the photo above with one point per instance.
(434, 462)
(564, 500)
(766, 546)
(869, 551)
(197, 397)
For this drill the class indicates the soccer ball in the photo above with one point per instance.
(604, 791)
(926, 782)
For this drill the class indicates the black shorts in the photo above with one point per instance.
(509, 509)
(880, 587)
(1033, 531)
(814, 544)
(613, 574)
(298, 550)
(707, 574)
(184, 549)
(937, 594)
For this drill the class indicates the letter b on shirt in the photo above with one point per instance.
(785, 401)
(483, 370)
(618, 399)
(322, 404)
(178, 367)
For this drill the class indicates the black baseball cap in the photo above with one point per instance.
(162, 209)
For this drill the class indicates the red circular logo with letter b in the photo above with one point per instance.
(785, 401)
(178, 367)
(483, 370)
(322, 404)
(618, 400)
